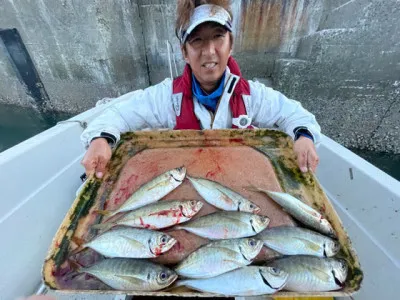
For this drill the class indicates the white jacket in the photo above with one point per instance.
(156, 107)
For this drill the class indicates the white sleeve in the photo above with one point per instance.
(148, 109)
(270, 108)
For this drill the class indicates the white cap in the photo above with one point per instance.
(206, 13)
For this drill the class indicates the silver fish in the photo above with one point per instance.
(227, 225)
(157, 215)
(132, 274)
(151, 191)
(222, 197)
(219, 257)
(246, 281)
(312, 274)
(131, 243)
(301, 211)
(289, 240)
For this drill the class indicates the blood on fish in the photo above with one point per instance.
(178, 218)
(158, 250)
(167, 212)
(143, 224)
(174, 213)
(200, 150)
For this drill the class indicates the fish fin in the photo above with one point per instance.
(103, 212)
(103, 226)
(318, 273)
(313, 246)
(131, 279)
(228, 200)
(132, 242)
(235, 262)
(310, 210)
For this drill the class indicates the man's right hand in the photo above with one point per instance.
(97, 157)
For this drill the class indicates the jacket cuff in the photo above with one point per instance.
(111, 139)
(302, 131)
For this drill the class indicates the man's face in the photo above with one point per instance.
(207, 50)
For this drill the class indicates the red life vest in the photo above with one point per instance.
(187, 119)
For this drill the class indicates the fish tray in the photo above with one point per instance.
(235, 158)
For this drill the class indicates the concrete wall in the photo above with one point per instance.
(263, 32)
(348, 73)
(83, 50)
(339, 58)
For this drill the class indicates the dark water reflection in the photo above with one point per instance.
(18, 124)
(387, 162)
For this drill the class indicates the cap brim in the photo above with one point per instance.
(210, 19)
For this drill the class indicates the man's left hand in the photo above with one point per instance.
(307, 157)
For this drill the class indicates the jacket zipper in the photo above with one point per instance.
(216, 108)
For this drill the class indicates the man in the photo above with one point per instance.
(211, 94)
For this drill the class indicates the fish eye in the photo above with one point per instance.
(275, 270)
(252, 243)
(163, 276)
(192, 203)
(163, 239)
(251, 206)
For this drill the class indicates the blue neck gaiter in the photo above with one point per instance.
(210, 101)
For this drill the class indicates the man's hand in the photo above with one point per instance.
(97, 157)
(307, 157)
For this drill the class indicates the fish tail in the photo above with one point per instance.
(104, 212)
(80, 243)
(103, 226)
(74, 265)
(76, 251)
(190, 179)
(253, 188)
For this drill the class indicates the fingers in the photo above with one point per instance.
(101, 166)
(90, 164)
(96, 158)
(313, 160)
(307, 157)
(302, 161)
